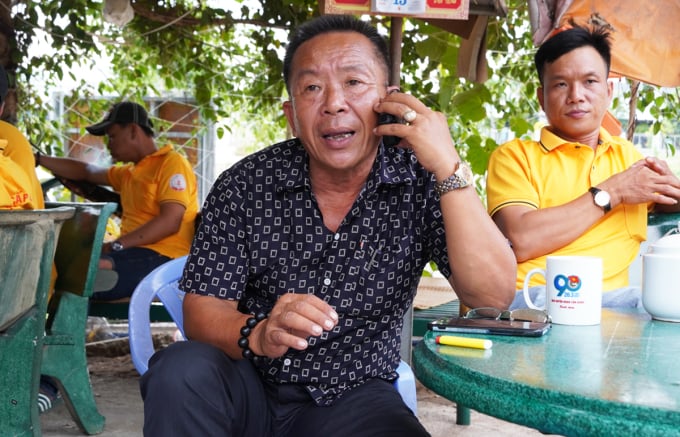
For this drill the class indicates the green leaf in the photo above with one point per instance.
(469, 104)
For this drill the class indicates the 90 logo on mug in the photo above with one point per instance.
(572, 283)
(573, 289)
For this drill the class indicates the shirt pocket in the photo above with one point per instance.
(384, 254)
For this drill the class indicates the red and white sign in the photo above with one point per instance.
(444, 9)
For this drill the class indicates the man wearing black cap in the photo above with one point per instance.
(158, 196)
(19, 186)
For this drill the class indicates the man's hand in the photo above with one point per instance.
(294, 318)
(648, 180)
(427, 134)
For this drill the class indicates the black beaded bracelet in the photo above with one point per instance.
(245, 332)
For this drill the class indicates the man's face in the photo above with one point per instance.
(119, 142)
(335, 80)
(576, 95)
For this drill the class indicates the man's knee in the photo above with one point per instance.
(181, 365)
(198, 390)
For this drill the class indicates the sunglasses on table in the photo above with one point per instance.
(520, 314)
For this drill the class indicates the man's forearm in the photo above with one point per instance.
(482, 264)
(70, 168)
(64, 167)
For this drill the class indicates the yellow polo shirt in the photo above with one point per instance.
(553, 172)
(164, 176)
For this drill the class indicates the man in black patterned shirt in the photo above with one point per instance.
(310, 252)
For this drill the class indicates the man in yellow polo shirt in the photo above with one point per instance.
(158, 196)
(578, 190)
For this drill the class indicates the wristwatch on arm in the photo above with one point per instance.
(601, 198)
(461, 178)
(117, 246)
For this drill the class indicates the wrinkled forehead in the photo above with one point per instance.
(342, 50)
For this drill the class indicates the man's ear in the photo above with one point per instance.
(539, 96)
(135, 130)
(610, 91)
(289, 112)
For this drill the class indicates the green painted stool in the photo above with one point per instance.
(27, 239)
(64, 355)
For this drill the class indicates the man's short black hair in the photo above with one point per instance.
(333, 23)
(572, 39)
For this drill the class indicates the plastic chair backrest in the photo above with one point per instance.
(162, 283)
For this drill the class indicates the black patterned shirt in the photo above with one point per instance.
(262, 235)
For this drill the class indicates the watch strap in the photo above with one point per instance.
(607, 206)
(461, 178)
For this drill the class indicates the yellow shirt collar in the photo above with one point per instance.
(550, 141)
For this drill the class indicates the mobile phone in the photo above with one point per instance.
(489, 326)
(385, 118)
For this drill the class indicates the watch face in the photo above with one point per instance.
(602, 198)
(116, 246)
(465, 173)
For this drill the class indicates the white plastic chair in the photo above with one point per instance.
(161, 283)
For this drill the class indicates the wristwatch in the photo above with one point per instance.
(601, 199)
(116, 246)
(461, 178)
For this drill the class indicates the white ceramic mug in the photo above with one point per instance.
(660, 279)
(573, 289)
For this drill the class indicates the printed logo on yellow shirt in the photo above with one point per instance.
(178, 183)
(20, 199)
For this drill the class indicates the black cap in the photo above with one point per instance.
(4, 84)
(123, 113)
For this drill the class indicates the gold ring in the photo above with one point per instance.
(410, 116)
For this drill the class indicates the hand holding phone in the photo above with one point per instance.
(385, 118)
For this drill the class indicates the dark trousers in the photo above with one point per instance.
(132, 265)
(192, 388)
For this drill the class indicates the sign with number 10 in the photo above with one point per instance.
(445, 9)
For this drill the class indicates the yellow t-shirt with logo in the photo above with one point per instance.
(164, 176)
(20, 185)
(552, 172)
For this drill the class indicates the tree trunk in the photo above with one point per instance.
(7, 45)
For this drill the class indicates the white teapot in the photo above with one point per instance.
(661, 278)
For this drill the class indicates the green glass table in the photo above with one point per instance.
(621, 377)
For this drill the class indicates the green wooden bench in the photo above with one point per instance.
(27, 239)
(64, 356)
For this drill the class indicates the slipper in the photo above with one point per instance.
(48, 396)
(105, 280)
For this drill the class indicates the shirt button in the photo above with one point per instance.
(337, 237)
(286, 362)
(327, 281)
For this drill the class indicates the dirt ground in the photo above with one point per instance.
(115, 384)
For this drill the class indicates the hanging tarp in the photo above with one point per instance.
(645, 34)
